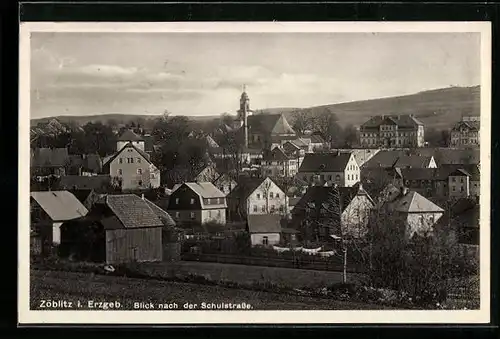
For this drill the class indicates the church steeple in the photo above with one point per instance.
(243, 113)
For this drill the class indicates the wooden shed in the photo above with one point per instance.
(121, 229)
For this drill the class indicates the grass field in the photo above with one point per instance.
(289, 277)
(74, 287)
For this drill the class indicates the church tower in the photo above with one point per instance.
(243, 114)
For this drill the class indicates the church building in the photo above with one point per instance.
(262, 130)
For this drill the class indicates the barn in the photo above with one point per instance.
(119, 229)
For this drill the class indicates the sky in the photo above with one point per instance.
(204, 73)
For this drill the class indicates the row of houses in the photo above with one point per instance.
(399, 131)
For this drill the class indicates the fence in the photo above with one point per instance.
(312, 263)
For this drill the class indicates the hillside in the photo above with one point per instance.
(439, 108)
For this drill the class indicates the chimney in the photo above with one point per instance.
(142, 196)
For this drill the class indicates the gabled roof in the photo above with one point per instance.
(444, 171)
(325, 162)
(160, 213)
(470, 125)
(49, 157)
(412, 202)
(60, 205)
(269, 124)
(264, 223)
(129, 135)
(413, 161)
(128, 145)
(81, 194)
(247, 185)
(205, 189)
(404, 121)
(211, 142)
(276, 154)
(132, 211)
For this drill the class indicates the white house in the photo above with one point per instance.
(257, 196)
(264, 229)
(356, 205)
(132, 167)
(338, 167)
(276, 163)
(419, 213)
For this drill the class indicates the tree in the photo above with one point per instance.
(302, 120)
(326, 122)
(437, 138)
(99, 139)
(349, 137)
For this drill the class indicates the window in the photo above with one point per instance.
(356, 177)
(140, 183)
(139, 171)
(258, 196)
(192, 201)
(263, 209)
(177, 201)
(192, 215)
(273, 208)
(265, 240)
(209, 214)
(461, 188)
(281, 208)
(120, 160)
(152, 175)
(453, 179)
(337, 178)
(255, 208)
(453, 188)
(330, 177)
(461, 180)
(177, 215)
(277, 195)
(271, 195)
(138, 160)
(218, 213)
(348, 177)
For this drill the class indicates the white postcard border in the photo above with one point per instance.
(27, 316)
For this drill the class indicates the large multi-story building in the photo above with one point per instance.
(465, 132)
(392, 131)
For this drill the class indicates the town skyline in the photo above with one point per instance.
(70, 79)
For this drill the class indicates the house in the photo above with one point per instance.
(47, 161)
(225, 183)
(337, 167)
(356, 205)
(132, 168)
(98, 183)
(49, 210)
(353, 203)
(119, 229)
(256, 196)
(464, 183)
(318, 214)
(392, 131)
(197, 202)
(465, 133)
(418, 213)
(87, 197)
(415, 161)
(446, 181)
(129, 137)
(276, 163)
(264, 229)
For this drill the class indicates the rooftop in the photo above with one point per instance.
(60, 205)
